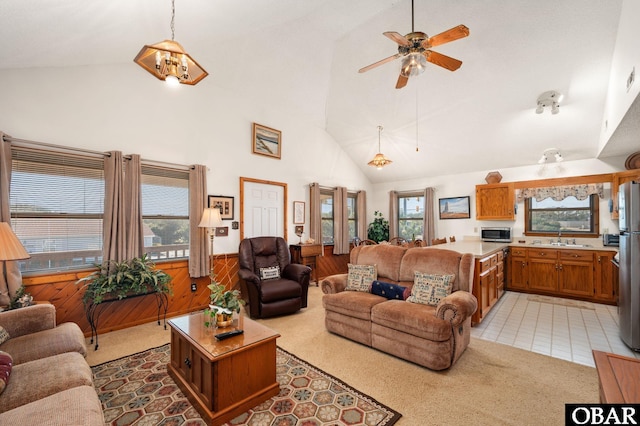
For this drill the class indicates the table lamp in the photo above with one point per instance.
(10, 246)
(211, 220)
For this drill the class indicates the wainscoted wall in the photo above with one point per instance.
(62, 291)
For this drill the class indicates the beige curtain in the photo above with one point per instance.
(198, 259)
(429, 215)
(393, 214)
(340, 221)
(10, 276)
(114, 222)
(315, 215)
(134, 245)
(361, 214)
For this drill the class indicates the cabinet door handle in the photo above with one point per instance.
(599, 259)
(576, 255)
(542, 253)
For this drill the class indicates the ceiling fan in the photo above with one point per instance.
(414, 47)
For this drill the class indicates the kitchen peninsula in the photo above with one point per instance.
(582, 271)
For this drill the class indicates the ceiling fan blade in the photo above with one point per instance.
(380, 62)
(402, 81)
(452, 34)
(398, 38)
(443, 60)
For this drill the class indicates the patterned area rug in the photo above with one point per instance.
(560, 301)
(136, 390)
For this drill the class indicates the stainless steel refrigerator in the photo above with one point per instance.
(629, 292)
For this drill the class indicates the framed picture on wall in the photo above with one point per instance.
(224, 203)
(454, 208)
(298, 212)
(266, 141)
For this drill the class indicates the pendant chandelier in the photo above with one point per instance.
(168, 61)
(379, 161)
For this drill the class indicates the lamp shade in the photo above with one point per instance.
(10, 246)
(210, 218)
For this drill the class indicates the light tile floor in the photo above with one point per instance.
(552, 329)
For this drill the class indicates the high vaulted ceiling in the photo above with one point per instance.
(305, 54)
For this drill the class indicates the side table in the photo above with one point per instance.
(306, 254)
(618, 377)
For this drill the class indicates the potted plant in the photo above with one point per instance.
(121, 279)
(378, 229)
(223, 303)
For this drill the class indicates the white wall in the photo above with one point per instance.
(121, 107)
(460, 185)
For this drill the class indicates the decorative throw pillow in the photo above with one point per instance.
(360, 277)
(6, 362)
(4, 335)
(390, 291)
(270, 273)
(429, 289)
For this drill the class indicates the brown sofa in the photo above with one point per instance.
(431, 336)
(50, 382)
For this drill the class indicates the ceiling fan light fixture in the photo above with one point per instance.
(380, 160)
(168, 61)
(414, 64)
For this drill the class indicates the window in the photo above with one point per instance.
(57, 204)
(571, 217)
(352, 214)
(326, 214)
(165, 212)
(411, 216)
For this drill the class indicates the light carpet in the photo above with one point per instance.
(136, 390)
(491, 384)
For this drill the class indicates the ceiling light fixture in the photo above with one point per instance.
(379, 161)
(168, 61)
(549, 99)
(550, 152)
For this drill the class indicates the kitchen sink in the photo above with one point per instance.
(556, 244)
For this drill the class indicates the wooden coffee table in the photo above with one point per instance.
(223, 379)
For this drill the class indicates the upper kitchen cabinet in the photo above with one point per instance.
(495, 201)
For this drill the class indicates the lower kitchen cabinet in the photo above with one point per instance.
(488, 283)
(578, 274)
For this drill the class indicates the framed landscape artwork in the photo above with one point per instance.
(454, 208)
(224, 203)
(266, 141)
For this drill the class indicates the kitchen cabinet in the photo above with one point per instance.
(495, 201)
(618, 179)
(488, 283)
(606, 277)
(578, 274)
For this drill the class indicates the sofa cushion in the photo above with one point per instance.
(66, 337)
(360, 277)
(76, 406)
(351, 303)
(411, 318)
(389, 290)
(5, 369)
(270, 273)
(430, 289)
(279, 289)
(37, 379)
(387, 257)
(435, 261)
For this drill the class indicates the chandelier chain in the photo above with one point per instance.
(173, 19)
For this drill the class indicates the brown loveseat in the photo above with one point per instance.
(431, 336)
(50, 381)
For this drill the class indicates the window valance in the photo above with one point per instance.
(558, 193)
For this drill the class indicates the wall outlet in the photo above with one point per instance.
(194, 286)
(475, 229)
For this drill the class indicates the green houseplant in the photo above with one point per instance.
(378, 230)
(222, 304)
(121, 279)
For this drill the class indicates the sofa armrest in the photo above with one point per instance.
(249, 276)
(30, 319)
(295, 272)
(334, 283)
(457, 307)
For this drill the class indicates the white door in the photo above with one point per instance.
(263, 212)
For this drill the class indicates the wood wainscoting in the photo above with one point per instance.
(62, 291)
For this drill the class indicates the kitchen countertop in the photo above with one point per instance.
(481, 249)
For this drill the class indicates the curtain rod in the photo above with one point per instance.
(53, 147)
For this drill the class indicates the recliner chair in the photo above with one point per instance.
(267, 296)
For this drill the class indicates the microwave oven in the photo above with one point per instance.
(496, 235)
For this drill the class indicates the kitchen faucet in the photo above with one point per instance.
(559, 235)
